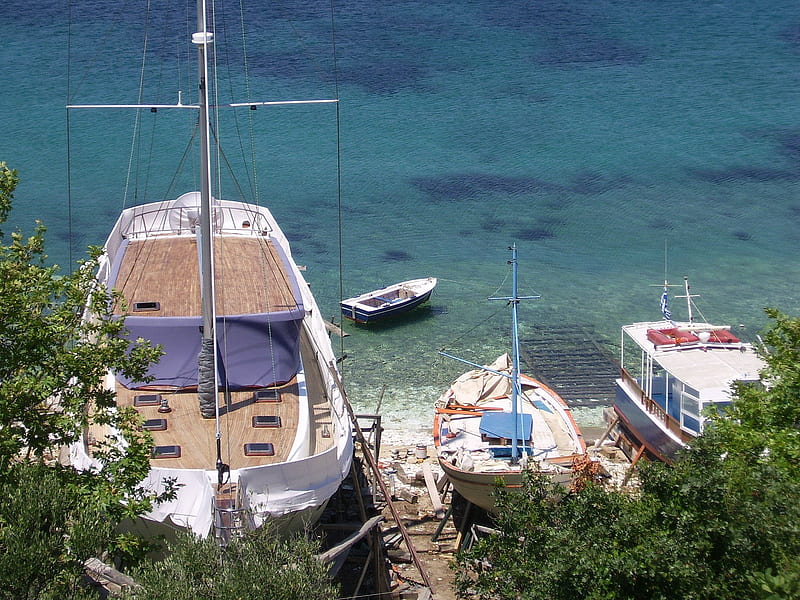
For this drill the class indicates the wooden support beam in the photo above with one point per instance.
(430, 483)
(381, 483)
(599, 441)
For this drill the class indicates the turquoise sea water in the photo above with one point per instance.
(591, 134)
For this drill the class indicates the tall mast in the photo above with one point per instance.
(515, 366)
(206, 385)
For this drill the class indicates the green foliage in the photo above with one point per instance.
(53, 365)
(777, 587)
(721, 523)
(46, 532)
(258, 565)
(766, 420)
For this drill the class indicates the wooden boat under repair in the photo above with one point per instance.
(389, 301)
(495, 423)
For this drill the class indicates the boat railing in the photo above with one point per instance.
(650, 405)
(167, 219)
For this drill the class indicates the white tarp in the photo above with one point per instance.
(272, 491)
(193, 506)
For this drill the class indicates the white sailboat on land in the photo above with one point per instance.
(257, 430)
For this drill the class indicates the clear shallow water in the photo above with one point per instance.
(590, 135)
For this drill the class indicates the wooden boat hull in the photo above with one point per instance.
(479, 488)
(474, 451)
(387, 303)
(642, 431)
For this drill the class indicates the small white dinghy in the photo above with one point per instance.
(389, 301)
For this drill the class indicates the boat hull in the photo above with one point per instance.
(479, 488)
(642, 431)
(361, 316)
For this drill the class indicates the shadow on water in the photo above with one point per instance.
(416, 316)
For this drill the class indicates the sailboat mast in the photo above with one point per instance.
(202, 39)
(207, 390)
(513, 300)
(515, 366)
(688, 299)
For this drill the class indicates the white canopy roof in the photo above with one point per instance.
(709, 368)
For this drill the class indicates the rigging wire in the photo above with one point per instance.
(253, 179)
(69, 164)
(339, 211)
(483, 321)
(135, 140)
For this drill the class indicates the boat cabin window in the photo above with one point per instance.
(155, 425)
(166, 452)
(266, 421)
(690, 423)
(147, 400)
(267, 396)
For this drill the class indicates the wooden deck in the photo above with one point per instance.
(251, 279)
(250, 276)
(196, 436)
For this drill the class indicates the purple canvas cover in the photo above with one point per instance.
(252, 350)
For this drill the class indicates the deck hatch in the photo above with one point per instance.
(147, 400)
(167, 452)
(146, 306)
(500, 426)
(155, 425)
(266, 421)
(259, 449)
(272, 395)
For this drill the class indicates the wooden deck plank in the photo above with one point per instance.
(196, 435)
(250, 276)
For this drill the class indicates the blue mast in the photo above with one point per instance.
(513, 300)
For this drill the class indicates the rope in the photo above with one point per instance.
(339, 212)
(483, 321)
(69, 153)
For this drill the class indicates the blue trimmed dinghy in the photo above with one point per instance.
(390, 301)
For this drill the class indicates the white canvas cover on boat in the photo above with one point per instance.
(275, 490)
(476, 385)
(192, 507)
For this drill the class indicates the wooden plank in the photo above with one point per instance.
(433, 492)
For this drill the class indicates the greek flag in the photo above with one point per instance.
(665, 305)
